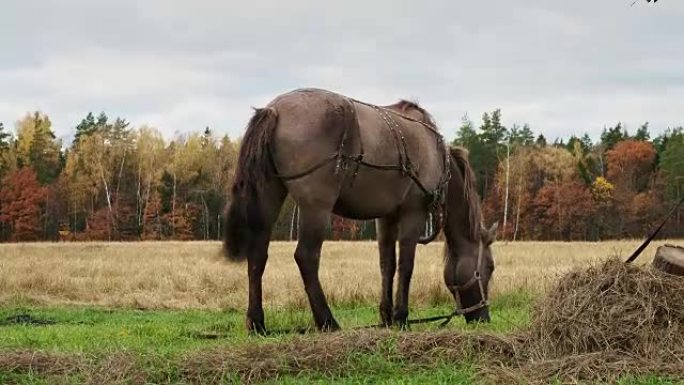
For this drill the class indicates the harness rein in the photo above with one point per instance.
(475, 279)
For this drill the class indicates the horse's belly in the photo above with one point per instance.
(372, 194)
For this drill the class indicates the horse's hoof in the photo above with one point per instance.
(330, 325)
(401, 320)
(402, 325)
(256, 327)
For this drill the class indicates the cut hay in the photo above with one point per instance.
(333, 354)
(614, 307)
(606, 321)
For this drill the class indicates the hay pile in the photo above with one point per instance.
(606, 321)
(614, 307)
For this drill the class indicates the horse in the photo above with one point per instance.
(335, 154)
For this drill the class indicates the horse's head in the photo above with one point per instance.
(469, 263)
(468, 268)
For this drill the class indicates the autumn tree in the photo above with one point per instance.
(21, 201)
(153, 219)
(630, 169)
(150, 158)
(343, 228)
(563, 211)
(630, 164)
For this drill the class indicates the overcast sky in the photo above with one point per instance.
(565, 67)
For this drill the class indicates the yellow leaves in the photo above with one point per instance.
(602, 190)
(189, 158)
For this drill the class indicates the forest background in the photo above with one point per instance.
(122, 183)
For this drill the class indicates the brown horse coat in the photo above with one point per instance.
(335, 154)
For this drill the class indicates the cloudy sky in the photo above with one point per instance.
(564, 67)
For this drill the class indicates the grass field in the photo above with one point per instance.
(174, 313)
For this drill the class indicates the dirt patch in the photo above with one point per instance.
(25, 319)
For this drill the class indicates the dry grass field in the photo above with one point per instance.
(109, 341)
(183, 275)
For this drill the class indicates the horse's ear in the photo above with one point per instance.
(489, 236)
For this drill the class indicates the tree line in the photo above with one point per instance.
(618, 187)
(118, 182)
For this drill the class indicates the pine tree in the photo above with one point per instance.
(7, 158)
(526, 136)
(38, 148)
(4, 138)
(612, 136)
(86, 127)
(642, 133)
(541, 141)
(672, 164)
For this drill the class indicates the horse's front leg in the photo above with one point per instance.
(410, 228)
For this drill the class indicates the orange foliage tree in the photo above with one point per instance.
(343, 228)
(564, 211)
(630, 166)
(22, 200)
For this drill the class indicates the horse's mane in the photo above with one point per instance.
(459, 156)
(404, 105)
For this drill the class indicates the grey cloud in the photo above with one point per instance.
(564, 67)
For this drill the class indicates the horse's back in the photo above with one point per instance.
(312, 126)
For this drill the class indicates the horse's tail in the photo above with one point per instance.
(244, 217)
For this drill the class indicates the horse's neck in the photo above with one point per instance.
(458, 226)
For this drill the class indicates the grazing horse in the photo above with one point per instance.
(335, 154)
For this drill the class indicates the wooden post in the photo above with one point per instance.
(670, 259)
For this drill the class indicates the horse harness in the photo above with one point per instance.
(435, 199)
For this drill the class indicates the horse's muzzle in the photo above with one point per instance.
(479, 315)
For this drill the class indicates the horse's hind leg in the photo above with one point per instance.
(387, 246)
(308, 255)
(257, 254)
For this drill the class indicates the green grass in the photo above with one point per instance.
(89, 329)
(157, 341)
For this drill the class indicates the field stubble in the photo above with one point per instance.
(183, 275)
